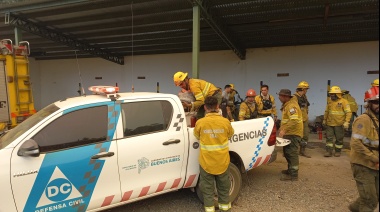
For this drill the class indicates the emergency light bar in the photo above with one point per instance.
(100, 89)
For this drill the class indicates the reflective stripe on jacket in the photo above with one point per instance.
(260, 105)
(291, 121)
(213, 131)
(337, 112)
(201, 89)
(365, 141)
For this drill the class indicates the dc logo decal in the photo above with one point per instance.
(58, 190)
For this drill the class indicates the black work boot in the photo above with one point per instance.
(289, 178)
(285, 171)
(328, 153)
(303, 153)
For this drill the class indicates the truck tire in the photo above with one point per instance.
(236, 183)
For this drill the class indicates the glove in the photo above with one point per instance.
(346, 125)
(324, 122)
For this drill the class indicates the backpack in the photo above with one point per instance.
(267, 103)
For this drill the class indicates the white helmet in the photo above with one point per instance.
(282, 141)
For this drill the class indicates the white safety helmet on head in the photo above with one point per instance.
(282, 141)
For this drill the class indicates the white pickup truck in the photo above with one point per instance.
(94, 152)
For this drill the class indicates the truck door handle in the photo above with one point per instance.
(103, 155)
(171, 141)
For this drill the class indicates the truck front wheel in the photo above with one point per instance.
(236, 183)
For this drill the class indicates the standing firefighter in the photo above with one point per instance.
(200, 88)
(291, 129)
(213, 131)
(353, 106)
(265, 103)
(337, 118)
(229, 99)
(365, 154)
(248, 108)
(300, 97)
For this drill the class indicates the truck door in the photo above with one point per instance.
(4, 109)
(151, 149)
(77, 166)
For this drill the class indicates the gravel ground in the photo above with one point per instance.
(325, 184)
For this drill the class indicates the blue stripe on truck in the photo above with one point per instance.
(69, 186)
(261, 141)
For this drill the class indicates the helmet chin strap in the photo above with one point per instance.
(374, 112)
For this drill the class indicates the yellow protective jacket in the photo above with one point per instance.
(213, 132)
(337, 112)
(351, 100)
(365, 141)
(247, 111)
(260, 105)
(291, 121)
(201, 89)
(304, 105)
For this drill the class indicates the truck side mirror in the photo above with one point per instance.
(29, 148)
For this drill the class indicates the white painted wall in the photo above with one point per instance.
(345, 64)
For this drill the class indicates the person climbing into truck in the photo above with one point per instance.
(200, 88)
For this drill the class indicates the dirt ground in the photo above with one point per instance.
(325, 184)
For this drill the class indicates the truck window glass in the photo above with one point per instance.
(78, 128)
(146, 117)
(21, 128)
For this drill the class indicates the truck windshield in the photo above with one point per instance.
(12, 134)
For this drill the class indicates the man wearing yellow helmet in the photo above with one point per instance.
(200, 88)
(300, 97)
(336, 118)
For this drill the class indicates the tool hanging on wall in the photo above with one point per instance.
(81, 89)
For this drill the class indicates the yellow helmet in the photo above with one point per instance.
(303, 84)
(375, 83)
(179, 77)
(335, 89)
(232, 86)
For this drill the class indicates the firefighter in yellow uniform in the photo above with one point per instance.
(336, 118)
(301, 98)
(229, 102)
(214, 131)
(266, 104)
(200, 88)
(353, 106)
(248, 108)
(291, 129)
(364, 155)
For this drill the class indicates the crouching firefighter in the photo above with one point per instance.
(248, 108)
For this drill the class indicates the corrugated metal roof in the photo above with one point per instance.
(55, 28)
